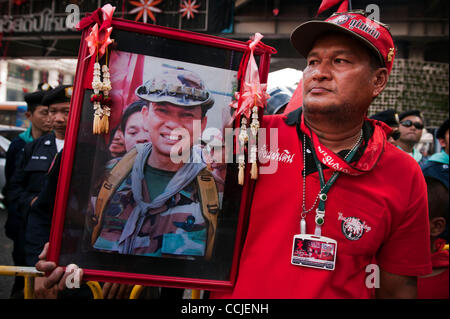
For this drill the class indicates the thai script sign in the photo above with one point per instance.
(45, 21)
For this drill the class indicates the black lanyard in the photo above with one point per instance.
(325, 186)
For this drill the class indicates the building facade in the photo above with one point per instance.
(44, 29)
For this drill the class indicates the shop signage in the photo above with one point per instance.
(45, 21)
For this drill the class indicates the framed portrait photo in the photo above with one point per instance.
(156, 200)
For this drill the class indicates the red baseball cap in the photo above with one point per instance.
(373, 34)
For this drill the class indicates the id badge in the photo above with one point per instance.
(314, 251)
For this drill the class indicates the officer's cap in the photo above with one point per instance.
(176, 86)
(34, 99)
(390, 117)
(60, 94)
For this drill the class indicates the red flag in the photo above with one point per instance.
(343, 7)
(326, 4)
(126, 75)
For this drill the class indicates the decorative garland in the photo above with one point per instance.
(98, 41)
(101, 100)
(248, 100)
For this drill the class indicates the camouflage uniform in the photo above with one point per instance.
(166, 230)
(173, 222)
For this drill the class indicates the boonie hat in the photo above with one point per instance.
(60, 94)
(176, 86)
(373, 34)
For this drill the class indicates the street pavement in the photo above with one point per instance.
(6, 247)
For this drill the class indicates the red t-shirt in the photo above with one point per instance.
(388, 205)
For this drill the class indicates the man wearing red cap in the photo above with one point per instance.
(345, 191)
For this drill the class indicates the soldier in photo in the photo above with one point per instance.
(172, 206)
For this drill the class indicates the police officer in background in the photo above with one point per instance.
(30, 175)
(391, 118)
(40, 124)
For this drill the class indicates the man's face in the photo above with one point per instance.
(135, 131)
(409, 134)
(163, 120)
(117, 145)
(444, 142)
(338, 81)
(59, 113)
(40, 118)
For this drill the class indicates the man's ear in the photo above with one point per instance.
(380, 79)
(28, 115)
(437, 226)
(144, 112)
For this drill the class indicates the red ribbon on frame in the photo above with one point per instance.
(251, 94)
(98, 39)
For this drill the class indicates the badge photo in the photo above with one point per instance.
(314, 251)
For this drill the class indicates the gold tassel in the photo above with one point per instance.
(254, 171)
(96, 125)
(241, 174)
(105, 119)
(104, 124)
(96, 86)
(107, 125)
(98, 112)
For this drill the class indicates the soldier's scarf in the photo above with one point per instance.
(184, 176)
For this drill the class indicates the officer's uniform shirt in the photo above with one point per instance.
(40, 215)
(29, 177)
(13, 158)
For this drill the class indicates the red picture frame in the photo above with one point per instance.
(80, 127)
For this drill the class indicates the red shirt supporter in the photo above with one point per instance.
(372, 222)
(337, 179)
(389, 203)
(435, 285)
